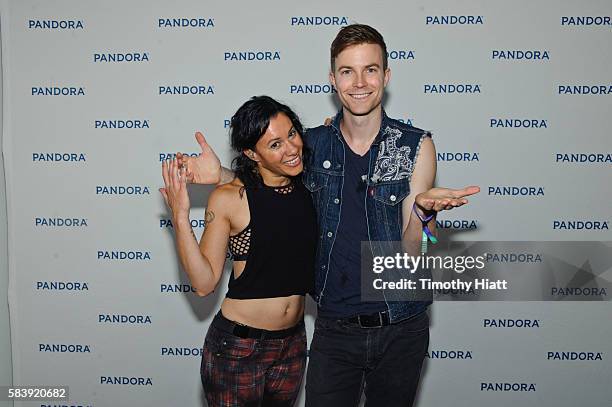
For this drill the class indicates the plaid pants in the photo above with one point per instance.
(242, 372)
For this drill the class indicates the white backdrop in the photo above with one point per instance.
(96, 294)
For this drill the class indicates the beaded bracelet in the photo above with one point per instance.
(427, 235)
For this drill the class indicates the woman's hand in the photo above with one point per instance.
(175, 189)
(203, 169)
(439, 199)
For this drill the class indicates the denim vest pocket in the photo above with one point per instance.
(316, 182)
(390, 193)
(388, 211)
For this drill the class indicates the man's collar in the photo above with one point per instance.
(336, 121)
(383, 124)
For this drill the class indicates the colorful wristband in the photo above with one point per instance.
(427, 235)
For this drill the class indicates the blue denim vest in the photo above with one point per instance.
(392, 158)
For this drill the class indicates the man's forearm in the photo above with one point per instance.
(226, 177)
(413, 235)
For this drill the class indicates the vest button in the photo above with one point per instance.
(392, 198)
(329, 234)
(326, 164)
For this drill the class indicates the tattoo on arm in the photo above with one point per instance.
(209, 217)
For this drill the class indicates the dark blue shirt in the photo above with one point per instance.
(343, 288)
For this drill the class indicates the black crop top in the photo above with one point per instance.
(278, 244)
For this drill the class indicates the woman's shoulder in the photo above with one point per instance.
(227, 194)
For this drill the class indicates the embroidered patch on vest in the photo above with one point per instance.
(392, 163)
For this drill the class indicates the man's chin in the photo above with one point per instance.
(359, 111)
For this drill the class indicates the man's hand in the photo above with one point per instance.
(439, 199)
(203, 169)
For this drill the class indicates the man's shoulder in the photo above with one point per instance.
(405, 129)
(319, 130)
(313, 134)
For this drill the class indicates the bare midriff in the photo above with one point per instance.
(265, 313)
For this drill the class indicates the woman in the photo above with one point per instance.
(255, 348)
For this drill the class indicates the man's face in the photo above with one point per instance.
(359, 78)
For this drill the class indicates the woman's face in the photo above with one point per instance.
(278, 152)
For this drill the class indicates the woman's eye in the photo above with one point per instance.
(275, 145)
(292, 133)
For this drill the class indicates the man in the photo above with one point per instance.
(365, 173)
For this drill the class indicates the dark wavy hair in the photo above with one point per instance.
(247, 126)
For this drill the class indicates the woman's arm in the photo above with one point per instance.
(203, 263)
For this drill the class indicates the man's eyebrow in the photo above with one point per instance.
(350, 67)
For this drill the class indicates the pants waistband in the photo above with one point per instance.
(374, 320)
(245, 331)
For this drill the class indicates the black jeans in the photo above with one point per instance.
(346, 359)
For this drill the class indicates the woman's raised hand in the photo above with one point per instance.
(175, 189)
